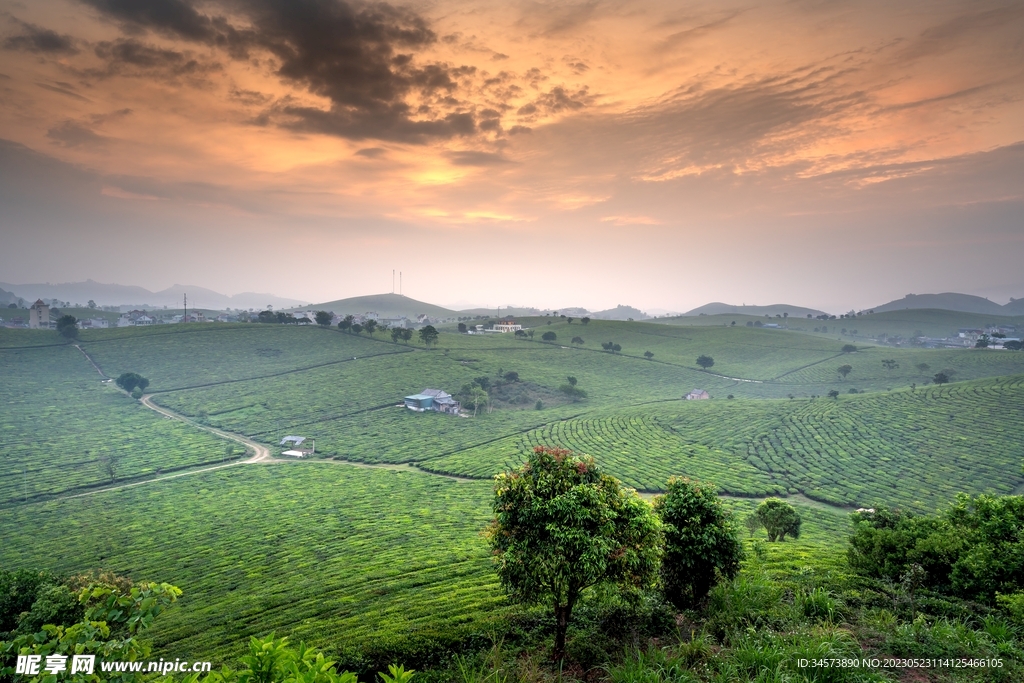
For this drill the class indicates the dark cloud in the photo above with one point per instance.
(130, 57)
(63, 89)
(557, 100)
(360, 56)
(71, 134)
(372, 152)
(37, 39)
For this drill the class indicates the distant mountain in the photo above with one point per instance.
(7, 298)
(718, 308)
(620, 312)
(118, 295)
(385, 305)
(1015, 307)
(947, 301)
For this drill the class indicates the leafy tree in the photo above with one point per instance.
(779, 519)
(396, 334)
(463, 329)
(844, 370)
(569, 320)
(428, 335)
(529, 333)
(136, 392)
(109, 630)
(923, 367)
(648, 355)
(483, 382)
(752, 523)
(577, 340)
(983, 342)
(585, 320)
(849, 348)
(92, 304)
(549, 336)
(616, 348)
(323, 318)
(345, 324)
(702, 548)
(67, 327)
(108, 465)
(511, 376)
(129, 380)
(356, 328)
(1013, 345)
(889, 364)
(971, 550)
(834, 394)
(940, 378)
(370, 326)
(705, 361)
(520, 334)
(478, 397)
(562, 527)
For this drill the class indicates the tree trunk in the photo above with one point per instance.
(562, 614)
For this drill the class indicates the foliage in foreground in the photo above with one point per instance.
(702, 547)
(973, 550)
(562, 526)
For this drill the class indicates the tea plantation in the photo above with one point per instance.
(353, 557)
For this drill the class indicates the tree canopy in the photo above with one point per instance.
(705, 361)
(561, 527)
(129, 381)
(549, 336)
(323, 318)
(67, 326)
(428, 335)
(779, 519)
(702, 547)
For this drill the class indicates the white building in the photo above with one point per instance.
(39, 316)
(507, 327)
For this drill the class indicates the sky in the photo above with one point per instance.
(663, 155)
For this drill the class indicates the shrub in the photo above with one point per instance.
(130, 380)
(702, 547)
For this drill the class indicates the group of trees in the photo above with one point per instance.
(974, 549)
(133, 383)
(562, 526)
(611, 347)
(67, 326)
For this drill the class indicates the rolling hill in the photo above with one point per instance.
(386, 305)
(948, 301)
(113, 294)
(718, 308)
(620, 312)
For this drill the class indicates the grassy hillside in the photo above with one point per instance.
(59, 423)
(348, 556)
(386, 305)
(912, 449)
(329, 553)
(336, 555)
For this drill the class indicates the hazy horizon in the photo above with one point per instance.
(654, 154)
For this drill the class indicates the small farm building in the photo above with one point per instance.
(295, 451)
(697, 395)
(508, 326)
(433, 399)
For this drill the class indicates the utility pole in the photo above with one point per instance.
(399, 283)
(392, 280)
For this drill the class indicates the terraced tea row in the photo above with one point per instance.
(911, 448)
(62, 429)
(329, 553)
(176, 356)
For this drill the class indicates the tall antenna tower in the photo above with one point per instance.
(399, 283)
(392, 280)
(184, 318)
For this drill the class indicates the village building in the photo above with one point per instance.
(433, 399)
(39, 316)
(296, 451)
(509, 326)
(697, 395)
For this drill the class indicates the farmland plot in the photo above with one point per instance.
(329, 553)
(176, 356)
(59, 424)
